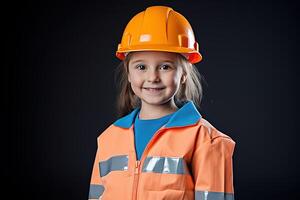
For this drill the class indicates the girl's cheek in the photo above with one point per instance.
(135, 81)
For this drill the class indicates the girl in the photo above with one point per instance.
(161, 147)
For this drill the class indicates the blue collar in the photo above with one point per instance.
(187, 115)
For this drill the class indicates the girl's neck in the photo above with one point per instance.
(149, 111)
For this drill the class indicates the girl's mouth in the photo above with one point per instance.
(153, 89)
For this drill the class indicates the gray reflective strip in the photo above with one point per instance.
(165, 165)
(206, 195)
(95, 191)
(116, 163)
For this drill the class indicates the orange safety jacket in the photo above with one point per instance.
(186, 159)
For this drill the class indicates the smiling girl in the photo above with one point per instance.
(161, 147)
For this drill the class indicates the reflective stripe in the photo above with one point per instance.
(206, 195)
(165, 165)
(116, 163)
(95, 191)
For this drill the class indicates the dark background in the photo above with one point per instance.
(59, 88)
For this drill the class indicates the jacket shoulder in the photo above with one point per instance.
(209, 133)
(107, 132)
(210, 138)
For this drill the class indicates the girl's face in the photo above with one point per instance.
(154, 76)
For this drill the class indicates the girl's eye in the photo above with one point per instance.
(165, 67)
(141, 67)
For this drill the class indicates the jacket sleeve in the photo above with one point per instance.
(212, 167)
(96, 186)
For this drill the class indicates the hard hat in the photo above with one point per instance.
(159, 28)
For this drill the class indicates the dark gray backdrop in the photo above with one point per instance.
(59, 88)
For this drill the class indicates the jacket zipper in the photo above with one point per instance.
(136, 178)
(137, 169)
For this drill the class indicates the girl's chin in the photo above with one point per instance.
(155, 102)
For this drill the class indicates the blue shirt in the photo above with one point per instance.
(144, 129)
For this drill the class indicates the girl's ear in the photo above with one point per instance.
(128, 77)
(183, 78)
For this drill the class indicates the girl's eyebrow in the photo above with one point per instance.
(136, 61)
(169, 61)
(163, 61)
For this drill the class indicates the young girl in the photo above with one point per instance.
(161, 147)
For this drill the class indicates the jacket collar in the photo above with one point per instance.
(187, 115)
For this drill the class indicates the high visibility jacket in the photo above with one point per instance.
(186, 159)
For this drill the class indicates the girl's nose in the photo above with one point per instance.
(153, 76)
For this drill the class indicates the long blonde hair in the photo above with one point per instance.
(191, 90)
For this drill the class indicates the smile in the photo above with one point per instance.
(153, 89)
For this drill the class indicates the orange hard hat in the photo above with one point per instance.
(159, 28)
